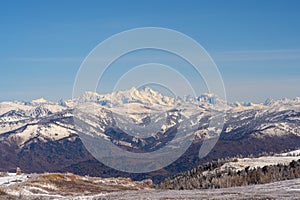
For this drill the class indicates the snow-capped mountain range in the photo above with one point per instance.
(133, 103)
(35, 130)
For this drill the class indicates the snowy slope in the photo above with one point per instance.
(12, 179)
(242, 163)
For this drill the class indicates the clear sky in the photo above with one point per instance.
(255, 43)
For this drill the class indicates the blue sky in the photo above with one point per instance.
(255, 44)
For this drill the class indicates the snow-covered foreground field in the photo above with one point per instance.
(118, 189)
(69, 186)
(279, 190)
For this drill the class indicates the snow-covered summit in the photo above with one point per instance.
(145, 96)
(39, 101)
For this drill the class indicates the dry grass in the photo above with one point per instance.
(57, 176)
(70, 184)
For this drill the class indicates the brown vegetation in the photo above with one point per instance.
(70, 184)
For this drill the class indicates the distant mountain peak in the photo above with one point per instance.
(40, 100)
(145, 96)
(268, 102)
